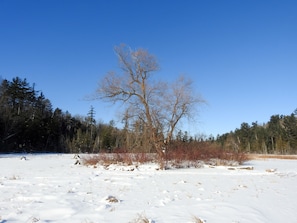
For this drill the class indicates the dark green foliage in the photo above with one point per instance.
(28, 123)
(290, 130)
(278, 136)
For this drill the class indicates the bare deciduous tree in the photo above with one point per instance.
(161, 106)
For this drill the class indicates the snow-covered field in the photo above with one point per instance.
(50, 188)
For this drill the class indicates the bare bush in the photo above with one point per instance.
(177, 155)
(123, 158)
(91, 160)
(203, 151)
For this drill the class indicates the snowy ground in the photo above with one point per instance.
(50, 188)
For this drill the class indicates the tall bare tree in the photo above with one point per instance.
(160, 105)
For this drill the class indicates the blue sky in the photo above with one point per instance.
(241, 54)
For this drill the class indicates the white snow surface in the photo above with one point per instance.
(50, 188)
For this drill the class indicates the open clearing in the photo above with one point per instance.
(50, 188)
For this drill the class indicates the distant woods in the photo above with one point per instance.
(29, 123)
(277, 136)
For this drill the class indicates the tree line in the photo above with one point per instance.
(277, 136)
(28, 123)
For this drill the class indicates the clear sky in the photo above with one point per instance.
(241, 54)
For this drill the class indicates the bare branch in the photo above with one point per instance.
(158, 106)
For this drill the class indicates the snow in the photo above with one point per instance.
(50, 188)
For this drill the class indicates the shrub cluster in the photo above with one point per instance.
(123, 158)
(176, 155)
(202, 151)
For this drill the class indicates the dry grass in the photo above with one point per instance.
(91, 160)
(107, 159)
(197, 220)
(14, 177)
(271, 156)
(141, 218)
(112, 199)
